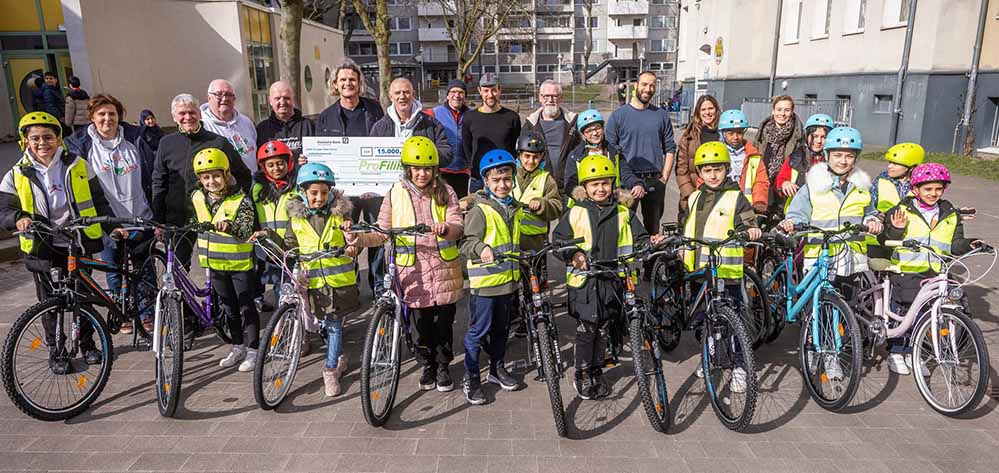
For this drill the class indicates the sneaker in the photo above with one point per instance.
(93, 357)
(833, 368)
(262, 304)
(499, 375)
(600, 387)
(444, 382)
(700, 371)
(473, 391)
(126, 328)
(583, 385)
(331, 381)
(428, 380)
(249, 362)
(58, 364)
(235, 356)
(922, 366)
(896, 363)
(738, 383)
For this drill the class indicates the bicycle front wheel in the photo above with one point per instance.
(170, 357)
(665, 301)
(830, 364)
(649, 371)
(380, 365)
(755, 308)
(553, 375)
(63, 388)
(147, 287)
(729, 368)
(775, 293)
(278, 357)
(955, 381)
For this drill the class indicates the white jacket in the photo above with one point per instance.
(240, 132)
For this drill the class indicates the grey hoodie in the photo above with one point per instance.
(240, 131)
(116, 165)
(405, 130)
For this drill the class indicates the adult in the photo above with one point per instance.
(556, 124)
(286, 123)
(53, 102)
(780, 134)
(450, 114)
(220, 116)
(644, 134)
(703, 127)
(491, 126)
(403, 119)
(36, 94)
(77, 102)
(173, 178)
(149, 129)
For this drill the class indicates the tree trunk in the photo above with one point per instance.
(290, 35)
(380, 33)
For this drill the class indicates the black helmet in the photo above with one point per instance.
(531, 142)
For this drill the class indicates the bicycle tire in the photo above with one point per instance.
(757, 309)
(716, 396)
(776, 293)
(155, 261)
(169, 364)
(383, 394)
(649, 372)
(973, 333)
(848, 328)
(220, 320)
(664, 304)
(275, 339)
(552, 375)
(11, 355)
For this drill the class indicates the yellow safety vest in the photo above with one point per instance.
(404, 215)
(332, 272)
(530, 223)
(579, 220)
(216, 250)
(617, 179)
(887, 195)
(828, 213)
(721, 219)
(77, 181)
(939, 237)
(272, 215)
(794, 179)
(752, 167)
(498, 238)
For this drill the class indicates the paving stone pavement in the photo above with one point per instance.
(219, 427)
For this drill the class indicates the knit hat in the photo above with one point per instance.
(457, 83)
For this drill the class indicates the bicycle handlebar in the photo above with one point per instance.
(554, 245)
(419, 229)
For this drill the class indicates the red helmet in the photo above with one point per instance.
(273, 149)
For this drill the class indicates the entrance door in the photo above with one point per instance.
(21, 73)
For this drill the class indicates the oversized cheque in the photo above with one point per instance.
(361, 164)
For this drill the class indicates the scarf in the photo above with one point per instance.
(777, 137)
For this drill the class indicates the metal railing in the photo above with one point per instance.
(759, 108)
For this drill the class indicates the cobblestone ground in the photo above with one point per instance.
(219, 428)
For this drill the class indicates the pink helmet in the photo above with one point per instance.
(930, 172)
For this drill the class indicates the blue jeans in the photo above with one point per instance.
(334, 330)
(488, 327)
(111, 254)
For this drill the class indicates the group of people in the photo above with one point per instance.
(485, 182)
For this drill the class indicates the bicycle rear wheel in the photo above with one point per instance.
(729, 368)
(278, 357)
(380, 365)
(831, 364)
(649, 371)
(170, 357)
(776, 293)
(553, 375)
(664, 301)
(27, 377)
(147, 287)
(755, 308)
(955, 381)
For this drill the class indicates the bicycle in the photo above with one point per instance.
(32, 385)
(942, 328)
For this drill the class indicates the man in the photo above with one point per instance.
(644, 135)
(52, 101)
(488, 127)
(404, 119)
(221, 117)
(173, 172)
(450, 115)
(557, 125)
(286, 123)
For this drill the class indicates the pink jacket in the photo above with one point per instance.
(431, 281)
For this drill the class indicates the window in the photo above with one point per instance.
(489, 48)
(792, 23)
(553, 46)
(896, 13)
(658, 2)
(853, 16)
(400, 49)
(308, 79)
(516, 68)
(514, 22)
(662, 21)
(581, 22)
(637, 22)
(882, 104)
(994, 137)
(514, 47)
(362, 49)
(811, 97)
(844, 111)
(486, 69)
(554, 21)
(661, 45)
(399, 23)
(820, 23)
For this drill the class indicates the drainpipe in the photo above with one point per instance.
(773, 57)
(903, 69)
(969, 95)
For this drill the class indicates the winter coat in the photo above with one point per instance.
(289, 132)
(80, 143)
(551, 206)
(52, 101)
(475, 229)
(628, 178)
(570, 139)
(599, 298)
(76, 108)
(430, 281)
(686, 172)
(329, 302)
(330, 122)
(800, 161)
(150, 134)
(421, 124)
(452, 129)
(796, 140)
(239, 131)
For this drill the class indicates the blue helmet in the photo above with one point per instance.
(844, 137)
(496, 158)
(733, 120)
(315, 172)
(587, 118)
(820, 119)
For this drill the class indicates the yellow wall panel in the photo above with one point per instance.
(20, 15)
(52, 11)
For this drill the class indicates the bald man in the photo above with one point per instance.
(220, 116)
(405, 118)
(286, 122)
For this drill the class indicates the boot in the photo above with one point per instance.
(331, 380)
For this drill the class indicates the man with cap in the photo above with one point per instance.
(491, 126)
(450, 114)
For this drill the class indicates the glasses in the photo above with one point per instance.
(593, 129)
(456, 93)
(42, 139)
(550, 97)
(223, 95)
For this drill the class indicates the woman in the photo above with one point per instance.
(780, 134)
(703, 127)
(149, 129)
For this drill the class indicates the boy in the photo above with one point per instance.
(746, 162)
(602, 218)
(491, 228)
(892, 185)
(226, 252)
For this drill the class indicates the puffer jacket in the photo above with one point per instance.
(431, 281)
(686, 172)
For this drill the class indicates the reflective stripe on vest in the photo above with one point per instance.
(887, 195)
(332, 272)
(579, 220)
(752, 166)
(404, 215)
(721, 219)
(828, 213)
(531, 223)
(78, 184)
(939, 237)
(498, 238)
(217, 250)
(270, 214)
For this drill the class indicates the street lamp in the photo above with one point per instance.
(641, 63)
(419, 60)
(558, 70)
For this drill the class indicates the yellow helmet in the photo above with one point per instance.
(596, 167)
(37, 118)
(712, 152)
(210, 159)
(420, 151)
(907, 154)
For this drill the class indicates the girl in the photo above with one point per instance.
(796, 166)
(271, 191)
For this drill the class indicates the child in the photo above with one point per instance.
(316, 222)
(717, 207)
(746, 162)
(893, 184)
(792, 173)
(602, 218)
(491, 228)
(226, 252)
(271, 191)
(926, 217)
(591, 127)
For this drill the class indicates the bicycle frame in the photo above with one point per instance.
(188, 291)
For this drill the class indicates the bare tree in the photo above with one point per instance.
(380, 32)
(472, 23)
(316, 10)
(588, 28)
(290, 36)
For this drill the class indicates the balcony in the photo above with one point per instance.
(556, 30)
(627, 8)
(515, 33)
(435, 56)
(555, 6)
(627, 32)
(431, 8)
(434, 34)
